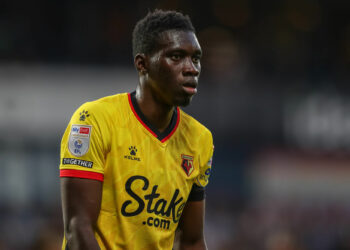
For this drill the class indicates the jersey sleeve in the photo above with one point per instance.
(206, 159)
(85, 144)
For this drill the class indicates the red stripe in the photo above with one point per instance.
(177, 123)
(138, 118)
(81, 174)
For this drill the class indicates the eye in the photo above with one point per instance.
(176, 57)
(196, 59)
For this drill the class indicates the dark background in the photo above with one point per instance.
(274, 91)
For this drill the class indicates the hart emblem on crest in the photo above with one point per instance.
(187, 164)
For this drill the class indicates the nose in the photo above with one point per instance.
(190, 68)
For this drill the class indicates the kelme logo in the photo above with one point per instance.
(132, 154)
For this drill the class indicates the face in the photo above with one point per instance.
(174, 69)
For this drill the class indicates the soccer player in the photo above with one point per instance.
(134, 166)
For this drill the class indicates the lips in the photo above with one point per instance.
(190, 88)
(190, 84)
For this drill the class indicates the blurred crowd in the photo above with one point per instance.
(275, 74)
(275, 39)
(280, 227)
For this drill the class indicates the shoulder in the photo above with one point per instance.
(201, 142)
(106, 110)
(102, 107)
(106, 102)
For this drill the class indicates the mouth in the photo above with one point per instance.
(190, 88)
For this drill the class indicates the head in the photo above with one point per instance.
(167, 57)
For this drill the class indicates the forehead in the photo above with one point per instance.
(175, 39)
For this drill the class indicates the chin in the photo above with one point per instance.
(184, 101)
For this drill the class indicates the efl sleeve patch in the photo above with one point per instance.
(79, 139)
(205, 171)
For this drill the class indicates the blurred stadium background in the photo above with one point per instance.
(274, 91)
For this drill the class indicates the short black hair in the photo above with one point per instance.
(148, 29)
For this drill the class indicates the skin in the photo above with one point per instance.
(190, 231)
(164, 73)
(81, 202)
(163, 78)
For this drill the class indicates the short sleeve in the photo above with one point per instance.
(83, 146)
(206, 159)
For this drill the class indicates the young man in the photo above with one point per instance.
(133, 165)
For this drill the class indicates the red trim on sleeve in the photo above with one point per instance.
(138, 118)
(81, 174)
(177, 123)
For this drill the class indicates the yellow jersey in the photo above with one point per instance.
(147, 176)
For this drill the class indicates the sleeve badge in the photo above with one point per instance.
(79, 139)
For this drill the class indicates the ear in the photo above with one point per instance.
(140, 63)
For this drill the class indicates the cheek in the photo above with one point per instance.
(169, 74)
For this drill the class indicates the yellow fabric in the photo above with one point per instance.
(145, 187)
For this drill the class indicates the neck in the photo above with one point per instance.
(157, 113)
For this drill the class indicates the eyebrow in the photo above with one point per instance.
(196, 52)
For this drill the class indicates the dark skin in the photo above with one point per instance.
(81, 201)
(164, 74)
(168, 78)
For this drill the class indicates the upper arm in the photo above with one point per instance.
(191, 226)
(81, 202)
(81, 166)
(83, 149)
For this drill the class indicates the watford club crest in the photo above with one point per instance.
(187, 164)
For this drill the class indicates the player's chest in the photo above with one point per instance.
(153, 179)
(141, 154)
